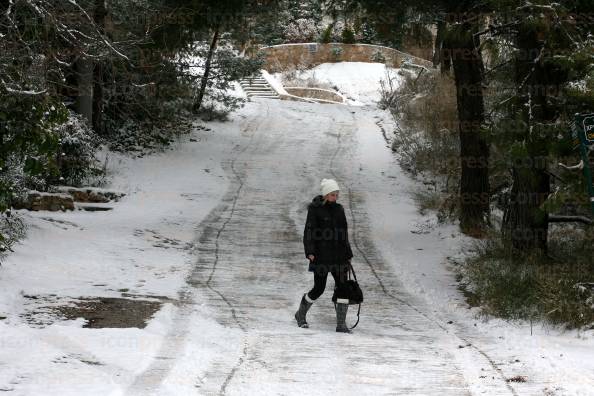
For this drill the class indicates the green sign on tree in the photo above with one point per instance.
(583, 129)
(588, 129)
(583, 134)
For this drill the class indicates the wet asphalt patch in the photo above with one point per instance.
(98, 313)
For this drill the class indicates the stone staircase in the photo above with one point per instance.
(257, 86)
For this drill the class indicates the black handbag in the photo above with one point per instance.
(350, 290)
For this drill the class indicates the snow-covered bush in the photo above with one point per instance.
(140, 139)
(301, 31)
(28, 149)
(78, 144)
(217, 105)
(337, 28)
(424, 105)
(14, 182)
(12, 228)
(366, 33)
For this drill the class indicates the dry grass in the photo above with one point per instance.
(556, 289)
(426, 139)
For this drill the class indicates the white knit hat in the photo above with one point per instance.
(328, 185)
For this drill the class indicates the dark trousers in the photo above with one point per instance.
(338, 271)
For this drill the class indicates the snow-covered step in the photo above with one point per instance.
(252, 83)
(257, 86)
(263, 96)
(259, 91)
(267, 91)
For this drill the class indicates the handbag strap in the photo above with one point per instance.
(357, 322)
(351, 269)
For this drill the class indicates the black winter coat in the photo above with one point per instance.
(326, 233)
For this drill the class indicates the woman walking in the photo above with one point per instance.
(326, 243)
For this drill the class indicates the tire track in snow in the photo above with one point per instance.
(244, 351)
(151, 378)
(383, 286)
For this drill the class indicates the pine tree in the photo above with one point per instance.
(348, 37)
(462, 49)
(547, 45)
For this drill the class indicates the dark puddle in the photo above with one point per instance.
(103, 312)
(96, 208)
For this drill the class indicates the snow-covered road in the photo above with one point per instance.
(250, 272)
(237, 199)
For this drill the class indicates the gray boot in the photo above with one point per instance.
(341, 313)
(300, 314)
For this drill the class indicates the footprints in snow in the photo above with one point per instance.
(424, 226)
(161, 241)
(62, 224)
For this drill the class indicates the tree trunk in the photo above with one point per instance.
(84, 97)
(525, 225)
(474, 149)
(525, 220)
(437, 48)
(99, 17)
(204, 79)
(98, 98)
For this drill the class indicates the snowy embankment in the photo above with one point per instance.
(554, 361)
(142, 249)
(359, 82)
